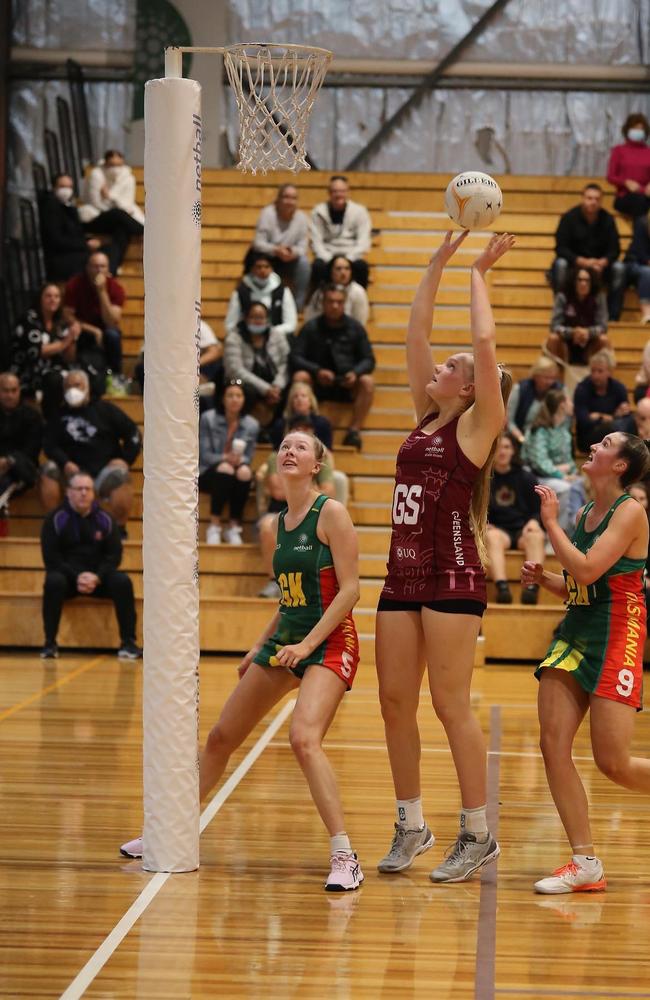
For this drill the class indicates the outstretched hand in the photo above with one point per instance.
(549, 504)
(531, 573)
(448, 248)
(498, 245)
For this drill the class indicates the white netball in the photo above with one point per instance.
(473, 200)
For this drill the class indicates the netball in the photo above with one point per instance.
(473, 200)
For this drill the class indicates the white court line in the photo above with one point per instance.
(381, 748)
(96, 962)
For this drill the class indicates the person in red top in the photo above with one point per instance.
(434, 594)
(629, 168)
(95, 299)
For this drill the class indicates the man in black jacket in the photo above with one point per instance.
(332, 352)
(82, 549)
(21, 432)
(587, 237)
(96, 436)
(65, 243)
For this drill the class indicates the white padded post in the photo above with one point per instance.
(172, 273)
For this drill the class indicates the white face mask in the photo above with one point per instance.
(256, 328)
(64, 194)
(74, 396)
(636, 134)
(260, 282)
(113, 172)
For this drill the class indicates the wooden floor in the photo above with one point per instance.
(254, 920)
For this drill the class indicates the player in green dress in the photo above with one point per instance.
(595, 662)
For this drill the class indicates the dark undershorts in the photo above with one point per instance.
(457, 606)
(514, 536)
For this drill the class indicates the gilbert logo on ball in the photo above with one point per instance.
(473, 200)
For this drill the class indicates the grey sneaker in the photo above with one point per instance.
(464, 858)
(406, 846)
(270, 590)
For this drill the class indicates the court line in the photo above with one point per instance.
(51, 687)
(608, 995)
(486, 932)
(381, 748)
(98, 959)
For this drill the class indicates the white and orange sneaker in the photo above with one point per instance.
(345, 873)
(576, 876)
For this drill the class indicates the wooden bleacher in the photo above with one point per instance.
(407, 211)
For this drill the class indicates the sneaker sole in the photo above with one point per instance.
(567, 890)
(420, 850)
(128, 656)
(345, 888)
(125, 854)
(463, 878)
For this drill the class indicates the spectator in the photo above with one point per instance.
(340, 226)
(258, 355)
(227, 440)
(642, 377)
(263, 285)
(271, 499)
(629, 168)
(21, 432)
(66, 244)
(513, 520)
(637, 261)
(43, 347)
(333, 353)
(548, 452)
(600, 403)
(301, 402)
(282, 231)
(94, 299)
(641, 417)
(82, 549)
(527, 396)
(96, 436)
(586, 236)
(579, 321)
(110, 187)
(339, 273)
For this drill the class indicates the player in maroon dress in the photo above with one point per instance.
(434, 595)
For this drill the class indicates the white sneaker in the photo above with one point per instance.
(270, 590)
(232, 535)
(345, 873)
(132, 849)
(574, 877)
(213, 534)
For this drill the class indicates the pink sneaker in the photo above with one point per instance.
(345, 872)
(132, 849)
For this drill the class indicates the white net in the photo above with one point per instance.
(275, 87)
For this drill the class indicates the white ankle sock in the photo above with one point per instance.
(409, 814)
(474, 821)
(586, 860)
(340, 842)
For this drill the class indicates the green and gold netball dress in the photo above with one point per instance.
(600, 642)
(304, 570)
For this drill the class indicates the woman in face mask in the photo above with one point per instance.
(258, 354)
(110, 185)
(629, 168)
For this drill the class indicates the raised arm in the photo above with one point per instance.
(418, 349)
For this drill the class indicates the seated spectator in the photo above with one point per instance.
(339, 273)
(66, 244)
(629, 168)
(333, 353)
(282, 231)
(43, 347)
(21, 433)
(513, 520)
(110, 187)
(210, 363)
(82, 550)
(301, 402)
(548, 452)
(586, 236)
(579, 321)
(637, 263)
(340, 226)
(527, 396)
(96, 436)
(642, 377)
(600, 403)
(227, 439)
(271, 500)
(257, 354)
(641, 417)
(94, 299)
(263, 285)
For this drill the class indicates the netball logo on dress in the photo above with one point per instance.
(302, 544)
(435, 449)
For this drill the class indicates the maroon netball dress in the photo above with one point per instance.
(433, 556)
